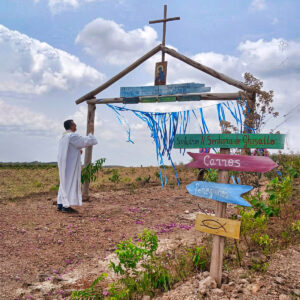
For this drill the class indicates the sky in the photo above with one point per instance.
(54, 51)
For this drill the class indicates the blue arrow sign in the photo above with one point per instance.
(229, 193)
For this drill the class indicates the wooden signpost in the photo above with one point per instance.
(259, 164)
(269, 141)
(222, 192)
(228, 193)
(218, 226)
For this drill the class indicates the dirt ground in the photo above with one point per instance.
(39, 244)
(45, 254)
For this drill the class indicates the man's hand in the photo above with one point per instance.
(91, 126)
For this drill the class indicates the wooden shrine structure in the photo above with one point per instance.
(91, 100)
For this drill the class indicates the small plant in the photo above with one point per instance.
(115, 178)
(132, 188)
(260, 267)
(126, 180)
(93, 292)
(265, 242)
(261, 207)
(279, 192)
(37, 184)
(139, 179)
(211, 176)
(199, 258)
(146, 179)
(130, 253)
(54, 188)
(296, 226)
(157, 275)
(252, 226)
(89, 173)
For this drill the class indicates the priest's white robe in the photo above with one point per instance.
(69, 165)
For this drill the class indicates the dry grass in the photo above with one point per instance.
(19, 183)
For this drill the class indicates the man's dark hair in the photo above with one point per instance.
(67, 124)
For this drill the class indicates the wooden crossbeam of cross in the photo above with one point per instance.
(164, 21)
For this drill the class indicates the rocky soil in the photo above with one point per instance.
(45, 254)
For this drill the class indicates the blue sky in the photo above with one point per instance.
(54, 51)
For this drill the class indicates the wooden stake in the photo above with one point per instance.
(88, 150)
(219, 241)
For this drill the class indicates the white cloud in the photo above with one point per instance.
(57, 6)
(29, 66)
(21, 120)
(108, 42)
(258, 5)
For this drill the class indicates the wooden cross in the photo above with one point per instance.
(164, 20)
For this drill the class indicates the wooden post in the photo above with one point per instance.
(164, 34)
(88, 150)
(219, 241)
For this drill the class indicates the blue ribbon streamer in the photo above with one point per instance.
(164, 126)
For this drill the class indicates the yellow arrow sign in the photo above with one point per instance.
(219, 226)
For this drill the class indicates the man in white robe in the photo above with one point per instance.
(69, 165)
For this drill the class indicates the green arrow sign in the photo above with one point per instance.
(269, 141)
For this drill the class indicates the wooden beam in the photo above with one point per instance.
(88, 150)
(204, 96)
(219, 241)
(164, 20)
(207, 70)
(118, 76)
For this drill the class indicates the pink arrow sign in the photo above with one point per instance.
(247, 163)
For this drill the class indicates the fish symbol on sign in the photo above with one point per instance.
(216, 224)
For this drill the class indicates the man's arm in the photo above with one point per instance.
(82, 142)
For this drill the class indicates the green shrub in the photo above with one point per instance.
(115, 178)
(253, 226)
(93, 292)
(279, 191)
(130, 254)
(37, 184)
(54, 188)
(211, 176)
(157, 174)
(89, 173)
(260, 206)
